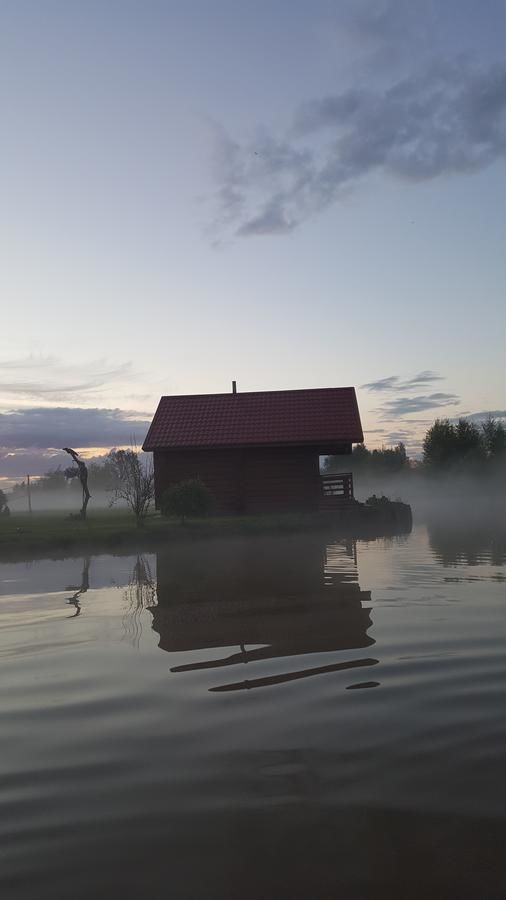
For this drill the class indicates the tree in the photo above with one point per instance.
(135, 482)
(447, 443)
(494, 437)
(4, 509)
(386, 460)
(185, 499)
(469, 441)
(439, 445)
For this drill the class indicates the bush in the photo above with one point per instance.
(378, 501)
(186, 499)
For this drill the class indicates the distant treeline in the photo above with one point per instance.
(448, 447)
(101, 477)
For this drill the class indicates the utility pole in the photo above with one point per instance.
(29, 494)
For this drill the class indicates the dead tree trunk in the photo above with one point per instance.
(83, 478)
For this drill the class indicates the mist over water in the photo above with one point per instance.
(289, 717)
(459, 500)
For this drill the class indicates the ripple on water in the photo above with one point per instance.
(313, 717)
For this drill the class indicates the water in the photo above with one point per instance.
(283, 717)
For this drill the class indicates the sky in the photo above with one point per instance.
(291, 194)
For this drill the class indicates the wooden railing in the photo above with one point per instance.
(338, 485)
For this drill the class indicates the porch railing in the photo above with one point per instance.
(338, 485)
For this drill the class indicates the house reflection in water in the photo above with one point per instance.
(263, 599)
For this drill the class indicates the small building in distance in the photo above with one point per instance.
(256, 451)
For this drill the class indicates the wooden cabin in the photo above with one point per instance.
(257, 451)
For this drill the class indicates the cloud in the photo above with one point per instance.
(394, 382)
(385, 21)
(449, 118)
(55, 381)
(402, 406)
(383, 384)
(423, 378)
(393, 437)
(54, 427)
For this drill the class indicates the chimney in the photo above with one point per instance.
(234, 387)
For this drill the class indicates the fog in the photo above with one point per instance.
(60, 500)
(454, 499)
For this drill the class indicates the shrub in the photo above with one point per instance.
(378, 501)
(186, 499)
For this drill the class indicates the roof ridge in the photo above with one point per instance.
(249, 393)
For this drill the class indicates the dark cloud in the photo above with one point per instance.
(401, 406)
(445, 120)
(42, 428)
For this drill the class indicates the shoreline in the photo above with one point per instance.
(52, 535)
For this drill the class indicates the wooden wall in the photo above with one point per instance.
(254, 480)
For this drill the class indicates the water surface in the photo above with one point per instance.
(282, 717)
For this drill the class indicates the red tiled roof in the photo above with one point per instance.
(314, 416)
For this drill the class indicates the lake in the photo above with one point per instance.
(266, 717)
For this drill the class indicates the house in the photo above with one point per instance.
(256, 451)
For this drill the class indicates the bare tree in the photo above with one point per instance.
(82, 472)
(135, 482)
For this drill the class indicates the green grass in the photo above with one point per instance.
(58, 534)
(23, 535)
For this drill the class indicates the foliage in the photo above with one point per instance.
(463, 443)
(102, 476)
(494, 438)
(4, 509)
(186, 499)
(378, 501)
(134, 482)
(386, 460)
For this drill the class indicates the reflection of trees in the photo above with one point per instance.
(140, 594)
(470, 545)
(81, 589)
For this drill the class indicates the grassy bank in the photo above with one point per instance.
(45, 534)
(58, 534)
